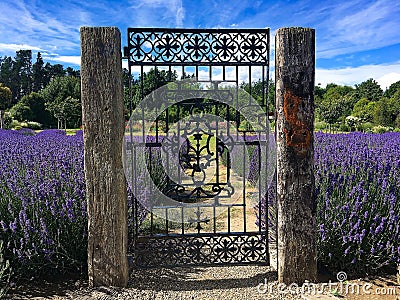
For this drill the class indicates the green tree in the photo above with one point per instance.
(155, 78)
(387, 111)
(148, 82)
(381, 113)
(56, 93)
(38, 74)
(393, 88)
(364, 110)
(7, 76)
(36, 103)
(369, 89)
(65, 111)
(56, 70)
(394, 109)
(257, 88)
(337, 103)
(23, 73)
(5, 101)
(130, 87)
(21, 112)
(319, 94)
(71, 72)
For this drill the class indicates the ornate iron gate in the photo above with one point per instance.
(196, 146)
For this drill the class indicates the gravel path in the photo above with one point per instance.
(232, 282)
(239, 282)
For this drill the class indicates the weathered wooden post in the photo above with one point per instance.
(294, 78)
(103, 120)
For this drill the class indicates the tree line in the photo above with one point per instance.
(45, 95)
(42, 94)
(358, 108)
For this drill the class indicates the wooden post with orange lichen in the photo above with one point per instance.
(294, 79)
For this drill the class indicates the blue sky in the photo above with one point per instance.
(356, 40)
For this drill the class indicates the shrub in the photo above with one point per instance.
(344, 127)
(352, 122)
(366, 127)
(34, 125)
(381, 129)
(7, 120)
(26, 131)
(14, 124)
(321, 125)
(24, 124)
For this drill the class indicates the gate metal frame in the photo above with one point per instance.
(201, 51)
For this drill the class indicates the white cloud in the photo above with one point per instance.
(16, 47)
(342, 27)
(180, 14)
(24, 23)
(386, 80)
(355, 26)
(384, 74)
(72, 59)
(151, 12)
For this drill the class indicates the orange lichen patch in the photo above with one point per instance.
(299, 135)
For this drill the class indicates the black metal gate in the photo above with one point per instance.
(196, 146)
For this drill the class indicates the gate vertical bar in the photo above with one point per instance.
(295, 71)
(103, 120)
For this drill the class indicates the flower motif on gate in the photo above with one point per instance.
(195, 250)
(138, 45)
(254, 248)
(168, 47)
(225, 47)
(196, 47)
(226, 249)
(253, 47)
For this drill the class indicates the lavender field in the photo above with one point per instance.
(43, 209)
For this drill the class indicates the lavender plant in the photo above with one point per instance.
(358, 192)
(42, 201)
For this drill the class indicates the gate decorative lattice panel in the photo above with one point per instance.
(197, 146)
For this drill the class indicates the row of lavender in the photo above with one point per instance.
(358, 194)
(357, 180)
(43, 210)
(43, 220)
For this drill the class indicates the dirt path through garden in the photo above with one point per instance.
(236, 213)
